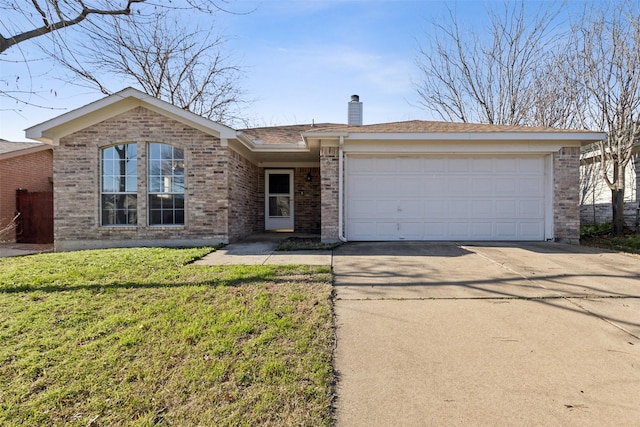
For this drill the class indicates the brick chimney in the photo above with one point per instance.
(355, 111)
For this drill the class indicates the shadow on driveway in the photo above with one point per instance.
(486, 333)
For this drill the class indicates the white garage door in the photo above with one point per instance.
(445, 198)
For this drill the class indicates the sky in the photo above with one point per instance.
(302, 61)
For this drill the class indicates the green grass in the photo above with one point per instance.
(305, 244)
(142, 337)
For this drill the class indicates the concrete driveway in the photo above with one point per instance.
(486, 334)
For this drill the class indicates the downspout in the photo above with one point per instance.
(341, 206)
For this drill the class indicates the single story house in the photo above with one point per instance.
(131, 170)
(23, 165)
(595, 195)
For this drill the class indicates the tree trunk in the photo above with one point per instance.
(617, 204)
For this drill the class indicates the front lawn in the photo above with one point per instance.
(599, 236)
(142, 337)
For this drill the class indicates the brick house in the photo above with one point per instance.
(23, 165)
(132, 170)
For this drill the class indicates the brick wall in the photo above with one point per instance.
(30, 172)
(601, 213)
(329, 193)
(566, 188)
(77, 184)
(307, 200)
(246, 200)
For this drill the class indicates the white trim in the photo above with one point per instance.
(275, 226)
(289, 165)
(548, 198)
(584, 137)
(52, 130)
(439, 147)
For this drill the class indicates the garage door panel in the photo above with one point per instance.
(446, 198)
(435, 209)
(386, 166)
(482, 165)
(458, 230)
(458, 209)
(361, 185)
(384, 185)
(506, 208)
(434, 185)
(531, 209)
(482, 186)
(409, 186)
(411, 230)
(362, 208)
(530, 165)
(410, 209)
(506, 230)
(506, 187)
(505, 165)
(529, 230)
(457, 165)
(434, 230)
(481, 230)
(481, 209)
(434, 165)
(458, 186)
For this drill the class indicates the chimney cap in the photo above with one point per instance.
(355, 98)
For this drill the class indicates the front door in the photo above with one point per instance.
(278, 199)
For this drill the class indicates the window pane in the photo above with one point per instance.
(178, 184)
(166, 184)
(279, 206)
(279, 183)
(119, 209)
(119, 182)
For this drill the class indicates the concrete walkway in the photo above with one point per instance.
(492, 334)
(21, 249)
(261, 250)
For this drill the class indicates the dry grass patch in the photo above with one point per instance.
(142, 337)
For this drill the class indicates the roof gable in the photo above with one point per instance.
(52, 130)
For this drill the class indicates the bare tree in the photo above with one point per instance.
(607, 46)
(62, 28)
(54, 15)
(184, 66)
(488, 77)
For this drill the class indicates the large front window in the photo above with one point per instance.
(119, 185)
(166, 185)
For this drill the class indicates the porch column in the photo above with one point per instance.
(566, 191)
(329, 200)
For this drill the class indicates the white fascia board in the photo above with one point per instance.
(300, 146)
(52, 130)
(581, 137)
(280, 148)
(326, 135)
(458, 147)
(285, 165)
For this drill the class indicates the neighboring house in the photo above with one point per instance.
(595, 195)
(133, 170)
(23, 165)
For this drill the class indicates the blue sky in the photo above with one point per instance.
(303, 60)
